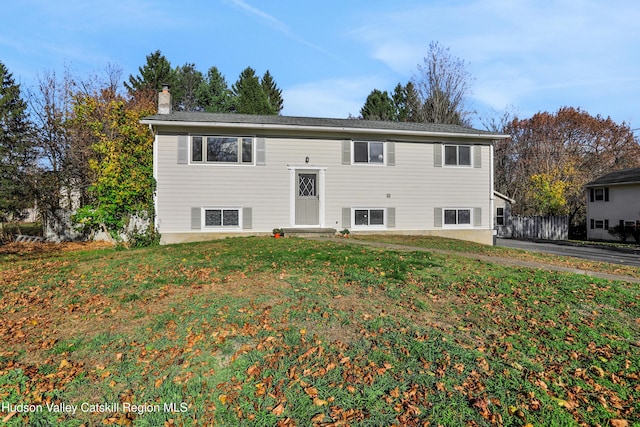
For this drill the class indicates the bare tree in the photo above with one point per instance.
(50, 106)
(443, 83)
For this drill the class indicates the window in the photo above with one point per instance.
(221, 218)
(500, 216)
(599, 194)
(457, 216)
(600, 223)
(457, 155)
(218, 149)
(368, 152)
(369, 217)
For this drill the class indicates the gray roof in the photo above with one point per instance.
(315, 122)
(624, 176)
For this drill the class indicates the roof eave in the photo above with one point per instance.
(347, 130)
(602, 184)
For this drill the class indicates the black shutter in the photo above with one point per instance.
(606, 194)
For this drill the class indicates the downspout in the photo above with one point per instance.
(494, 232)
(155, 177)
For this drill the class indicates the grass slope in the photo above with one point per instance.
(265, 332)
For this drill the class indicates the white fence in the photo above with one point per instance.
(539, 227)
(60, 227)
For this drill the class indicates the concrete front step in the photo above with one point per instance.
(309, 232)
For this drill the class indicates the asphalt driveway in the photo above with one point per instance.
(566, 249)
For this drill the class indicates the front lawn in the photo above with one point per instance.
(264, 332)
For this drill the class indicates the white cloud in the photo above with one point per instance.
(335, 98)
(278, 25)
(517, 51)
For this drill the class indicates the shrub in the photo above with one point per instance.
(621, 232)
(146, 238)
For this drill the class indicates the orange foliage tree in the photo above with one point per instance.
(569, 148)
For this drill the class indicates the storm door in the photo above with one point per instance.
(307, 198)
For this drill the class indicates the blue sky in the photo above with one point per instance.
(527, 56)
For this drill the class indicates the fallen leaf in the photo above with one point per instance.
(319, 402)
(8, 417)
(311, 392)
(278, 410)
(597, 370)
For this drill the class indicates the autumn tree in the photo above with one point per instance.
(550, 157)
(123, 182)
(17, 153)
(443, 83)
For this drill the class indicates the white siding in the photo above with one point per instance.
(413, 186)
(623, 204)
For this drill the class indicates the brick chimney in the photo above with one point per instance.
(164, 100)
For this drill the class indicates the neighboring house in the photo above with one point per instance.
(502, 218)
(613, 199)
(232, 174)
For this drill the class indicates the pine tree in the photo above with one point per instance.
(274, 95)
(214, 95)
(378, 106)
(250, 97)
(156, 72)
(17, 154)
(184, 93)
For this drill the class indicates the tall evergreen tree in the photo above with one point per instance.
(184, 92)
(17, 153)
(274, 95)
(214, 95)
(406, 103)
(412, 103)
(250, 97)
(378, 106)
(156, 72)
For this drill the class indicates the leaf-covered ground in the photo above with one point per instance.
(259, 331)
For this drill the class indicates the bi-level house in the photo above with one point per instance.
(230, 174)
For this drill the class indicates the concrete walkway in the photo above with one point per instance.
(485, 258)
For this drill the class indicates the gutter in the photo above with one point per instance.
(332, 129)
(607, 184)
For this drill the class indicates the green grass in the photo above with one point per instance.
(443, 244)
(264, 332)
